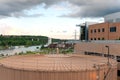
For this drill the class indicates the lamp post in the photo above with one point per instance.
(108, 54)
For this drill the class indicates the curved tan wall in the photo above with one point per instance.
(18, 74)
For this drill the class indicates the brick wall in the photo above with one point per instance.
(106, 34)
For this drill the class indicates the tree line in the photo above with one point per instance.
(24, 40)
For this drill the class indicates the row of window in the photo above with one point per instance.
(98, 38)
(98, 30)
(112, 29)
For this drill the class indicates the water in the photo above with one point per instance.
(18, 49)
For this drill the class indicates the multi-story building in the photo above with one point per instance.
(109, 30)
(104, 31)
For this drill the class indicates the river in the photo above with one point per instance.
(18, 49)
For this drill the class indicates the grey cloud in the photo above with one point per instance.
(15, 7)
(22, 14)
(93, 8)
(85, 8)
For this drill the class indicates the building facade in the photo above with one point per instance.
(84, 30)
(104, 31)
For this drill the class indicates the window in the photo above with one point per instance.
(94, 38)
(112, 29)
(98, 38)
(91, 38)
(91, 31)
(103, 38)
(118, 72)
(98, 30)
(118, 58)
(103, 30)
(94, 30)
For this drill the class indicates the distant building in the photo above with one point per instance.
(84, 30)
(49, 42)
(104, 31)
(109, 30)
(114, 17)
(61, 45)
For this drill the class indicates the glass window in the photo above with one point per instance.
(103, 29)
(98, 38)
(94, 38)
(91, 38)
(118, 72)
(103, 38)
(98, 30)
(94, 30)
(91, 31)
(112, 29)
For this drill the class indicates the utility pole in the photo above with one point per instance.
(108, 54)
(75, 35)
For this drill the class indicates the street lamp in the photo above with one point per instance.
(108, 54)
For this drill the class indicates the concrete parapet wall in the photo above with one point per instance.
(114, 48)
(96, 47)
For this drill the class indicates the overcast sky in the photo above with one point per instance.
(53, 18)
